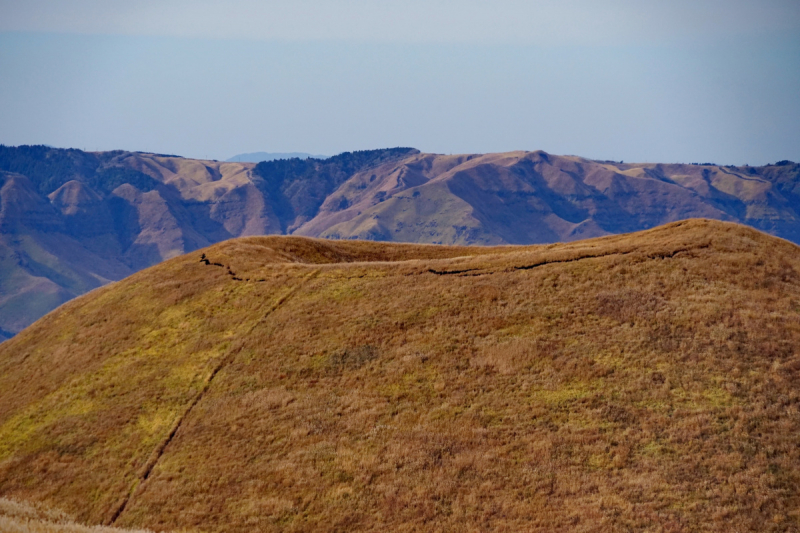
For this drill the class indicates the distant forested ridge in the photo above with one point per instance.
(50, 168)
(300, 186)
(257, 157)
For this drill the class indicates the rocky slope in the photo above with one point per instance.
(71, 221)
(640, 382)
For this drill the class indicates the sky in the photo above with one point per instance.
(633, 80)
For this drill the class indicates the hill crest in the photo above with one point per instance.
(638, 381)
(75, 220)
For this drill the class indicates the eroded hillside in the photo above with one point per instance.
(71, 221)
(632, 382)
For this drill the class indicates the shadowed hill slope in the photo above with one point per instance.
(535, 197)
(641, 381)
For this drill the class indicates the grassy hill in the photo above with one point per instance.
(71, 221)
(645, 381)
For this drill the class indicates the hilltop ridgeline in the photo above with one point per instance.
(71, 221)
(647, 381)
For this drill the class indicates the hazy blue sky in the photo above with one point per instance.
(682, 81)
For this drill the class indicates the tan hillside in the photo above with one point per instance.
(71, 221)
(645, 381)
(535, 197)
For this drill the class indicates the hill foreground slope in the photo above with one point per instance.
(22, 517)
(631, 382)
(71, 221)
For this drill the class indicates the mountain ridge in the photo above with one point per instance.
(71, 221)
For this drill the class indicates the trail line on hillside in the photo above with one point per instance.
(158, 452)
(650, 255)
(740, 176)
(476, 272)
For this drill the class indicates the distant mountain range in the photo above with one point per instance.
(71, 221)
(257, 157)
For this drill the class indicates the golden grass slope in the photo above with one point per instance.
(646, 381)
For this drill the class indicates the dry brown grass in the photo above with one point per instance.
(636, 382)
(22, 517)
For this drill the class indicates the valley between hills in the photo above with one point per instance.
(72, 221)
(647, 381)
